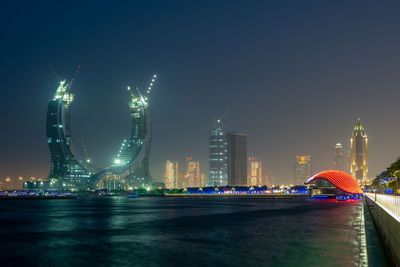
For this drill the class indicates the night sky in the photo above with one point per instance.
(295, 74)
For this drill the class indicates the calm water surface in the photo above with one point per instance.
(157, 231)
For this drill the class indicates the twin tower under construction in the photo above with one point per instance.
(72, 169)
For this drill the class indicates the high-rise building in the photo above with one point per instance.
(69, 170)
(192, 178)
(171, 174)
(302, 170)
(358, 153)
(218, 156)
(66, 170)
(255, 174)
(202, 180)
(338, 158)
(237, 159)
(181, 179)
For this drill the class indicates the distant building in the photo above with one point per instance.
(338, 158)
(171, 174)
(358, 153)
(237, 159)
(255, 174)
(203, 182)
(269, 179)
(181, 179)
(302, 170)
(218, 156)
(192, 178)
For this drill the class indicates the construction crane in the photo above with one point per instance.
(55, 73)
(87, 157)
(153, 79)
(224, 116)
(73, 78)
(130, 91)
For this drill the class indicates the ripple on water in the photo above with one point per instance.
(169, 231)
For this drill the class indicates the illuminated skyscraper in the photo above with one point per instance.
(218, 156)
(255, 176)
(66, 170)
(358, 153)
(237, 159)
(70, 171)
(302, 170)
(171, 174)
(338, 157)
(192, 178)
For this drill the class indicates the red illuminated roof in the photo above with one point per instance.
(341, 180)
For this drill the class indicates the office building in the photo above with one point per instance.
(171, 174)
(255, 173)
(358, 153)
(302, 170)
(192, 178)
(338, 158)
(218, 156)
(237, 159)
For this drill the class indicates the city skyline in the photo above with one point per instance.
(280, 59)
(255, 133)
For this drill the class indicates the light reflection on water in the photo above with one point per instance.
(177, 231)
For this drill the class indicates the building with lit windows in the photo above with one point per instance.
(171, 174)
(255, 173)
(70, 170)
(302, 169)
(218, 156)
(192, 177)
(237, 159)
(338, 158)
(66, 170)
(358, 153)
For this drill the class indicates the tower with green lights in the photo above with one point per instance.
(66, 170)
(71, 171)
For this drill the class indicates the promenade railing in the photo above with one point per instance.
(389, 203)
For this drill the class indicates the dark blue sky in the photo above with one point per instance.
(295, 74)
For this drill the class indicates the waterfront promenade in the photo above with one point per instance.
(385, 210)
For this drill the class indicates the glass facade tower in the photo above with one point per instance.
(237, 159)
(358, 156)
(66, 171)
(338, 157)
(218, 150)
(70, 171)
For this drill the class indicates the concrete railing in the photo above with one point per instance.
(391, 204)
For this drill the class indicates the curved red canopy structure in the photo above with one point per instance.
(341, 180)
